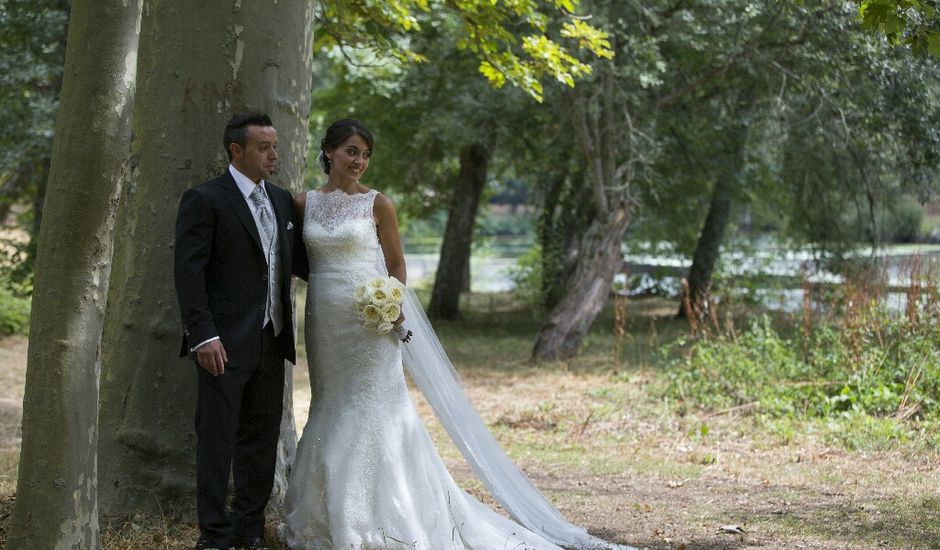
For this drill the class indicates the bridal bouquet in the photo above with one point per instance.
(378, 304)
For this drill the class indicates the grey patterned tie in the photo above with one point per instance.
(264, 215)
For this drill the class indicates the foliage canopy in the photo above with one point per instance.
(517, 42)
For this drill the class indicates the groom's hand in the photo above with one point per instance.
(212, 357)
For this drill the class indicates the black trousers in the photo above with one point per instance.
(238, 416)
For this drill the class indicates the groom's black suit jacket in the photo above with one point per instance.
(221, 273)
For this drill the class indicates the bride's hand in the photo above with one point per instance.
(399, 321)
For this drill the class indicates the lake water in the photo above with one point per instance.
(487, 273)
(781, 268)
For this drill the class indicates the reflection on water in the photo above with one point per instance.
(774, 277)
(780, 272)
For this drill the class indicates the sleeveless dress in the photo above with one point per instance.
(367, 474)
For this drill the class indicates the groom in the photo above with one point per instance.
(234, 254)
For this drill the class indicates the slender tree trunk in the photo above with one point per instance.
(12, 188)
(458, 236)
(56, 501)
(565, 215)
(550, 240)
(708, 248)
(199, 63)
(588, 288)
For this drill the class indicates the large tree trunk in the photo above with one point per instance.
(230, 57)
(56, 500)
(458, 236)
(708, 248)
(588, 288)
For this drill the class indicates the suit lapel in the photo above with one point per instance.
(237, 201)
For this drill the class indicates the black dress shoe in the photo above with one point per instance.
(204, 544)
(251, 543)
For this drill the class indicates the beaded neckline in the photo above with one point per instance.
(335, 208)
(340, 190)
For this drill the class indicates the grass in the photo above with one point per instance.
(615, 452)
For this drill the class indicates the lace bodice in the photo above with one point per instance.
(340, 232)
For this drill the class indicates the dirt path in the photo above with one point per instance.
(618, 462)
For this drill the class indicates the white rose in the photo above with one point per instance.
(390, 312)
(378, 284)
(379, 296)
(396, 295)
(385, 327)
(371, 314)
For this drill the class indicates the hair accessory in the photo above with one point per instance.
(321, 162)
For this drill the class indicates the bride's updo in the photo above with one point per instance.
(336, 134)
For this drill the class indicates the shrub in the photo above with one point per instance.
(873, 364)
(14, 312)
(16, 285)
(903, 220)
(526, 275)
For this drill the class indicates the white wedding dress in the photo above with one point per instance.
(367, 475)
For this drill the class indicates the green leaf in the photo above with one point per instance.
(933, 43)
(494, 75)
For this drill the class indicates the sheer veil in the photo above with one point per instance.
(437, 379)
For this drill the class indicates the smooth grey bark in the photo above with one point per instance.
(708, 247)
(458, 235)
(199, 63)
(56, 498)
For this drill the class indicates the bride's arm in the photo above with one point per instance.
(387, 228)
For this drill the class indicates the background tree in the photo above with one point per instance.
(861, 141)
(453, 266)
(32, 54)
(708, 99)
(616, 148)
(731, 71)
(56, 504)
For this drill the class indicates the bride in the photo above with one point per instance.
(367, 475)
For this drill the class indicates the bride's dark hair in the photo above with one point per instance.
(337, 133)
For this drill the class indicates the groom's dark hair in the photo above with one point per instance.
(237, 127)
